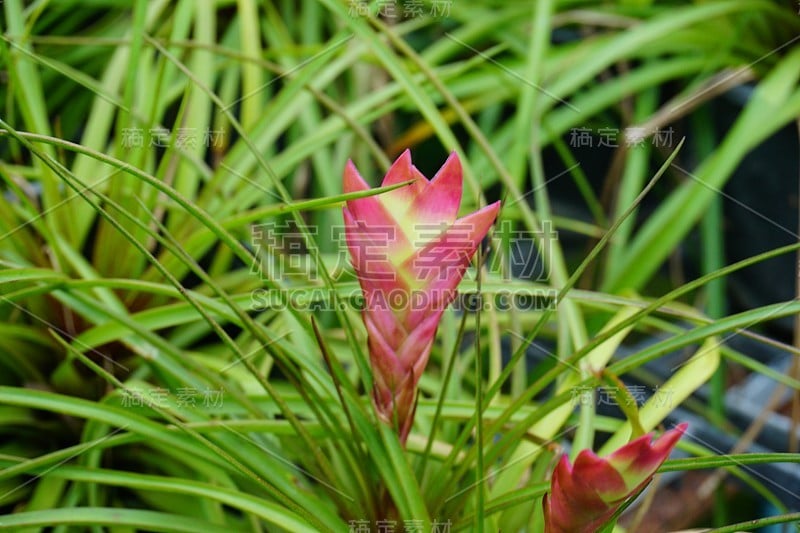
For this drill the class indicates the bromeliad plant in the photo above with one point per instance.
(410, 252)
(585, 495)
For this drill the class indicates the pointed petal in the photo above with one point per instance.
(638, 460)
(442, 261)
(439, 267)
(353, 182)
(402, 170)
(439, 202)
(368, 209)
(486, 215)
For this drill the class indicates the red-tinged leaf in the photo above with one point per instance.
(438, 203)
(637, 460)
(440, 264)
(400, 171)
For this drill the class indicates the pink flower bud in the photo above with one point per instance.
(584, 496)
(409, 251)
